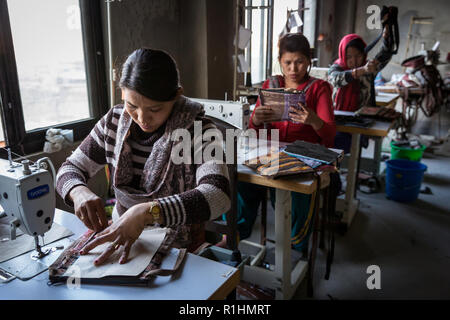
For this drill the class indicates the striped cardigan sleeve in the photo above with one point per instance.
(209, 199)
(339, 77)
(87, 159)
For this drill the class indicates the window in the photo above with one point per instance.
(2, 136)
(267, 19)
(258, 19)
(280, 17)
(309, 21)
(257, 54)
(53, 72)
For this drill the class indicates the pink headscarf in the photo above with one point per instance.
(347, 98)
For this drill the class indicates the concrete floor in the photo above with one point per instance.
(409, 242)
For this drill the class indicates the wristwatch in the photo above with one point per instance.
(155, 211)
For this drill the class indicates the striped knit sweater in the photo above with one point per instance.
(194, 194)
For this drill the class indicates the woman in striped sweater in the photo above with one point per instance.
(135, 140)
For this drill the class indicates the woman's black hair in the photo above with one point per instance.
(357, 44)
(151, 73)
(294, 42)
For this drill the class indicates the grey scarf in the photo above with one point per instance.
(161, 176)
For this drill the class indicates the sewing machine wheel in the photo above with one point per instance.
(410, 116)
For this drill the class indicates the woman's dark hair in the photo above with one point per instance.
(152, 73)
(357, 44)
(294, 42)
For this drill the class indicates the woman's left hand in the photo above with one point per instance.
(124, 232)
(386, 32)
(306, 116)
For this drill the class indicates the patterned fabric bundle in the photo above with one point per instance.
(278, 164)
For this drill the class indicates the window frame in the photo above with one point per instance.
(268, 55)
(12, 116)
(266, 34)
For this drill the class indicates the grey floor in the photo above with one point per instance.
(409, 242)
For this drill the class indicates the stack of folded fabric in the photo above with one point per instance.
(380, 113)
(311, 151)
(354, 121)
(278, 164)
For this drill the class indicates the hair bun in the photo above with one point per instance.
(152, 73)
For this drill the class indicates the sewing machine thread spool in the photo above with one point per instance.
(26, 167)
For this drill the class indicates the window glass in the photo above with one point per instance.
(48, 47)
(2, 137)
(259, 42)
(279, 22)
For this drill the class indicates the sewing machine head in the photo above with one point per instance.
(27, 194)
(236, 113)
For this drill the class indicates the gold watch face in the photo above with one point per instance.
(155, 209)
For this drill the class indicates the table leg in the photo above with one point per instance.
(283, 279)
(283, 243)
(350, 203)
(264, 219)
(323, 217)
(377, 154)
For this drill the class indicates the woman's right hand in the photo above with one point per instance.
(89, 208)
(371, 66)
(265, 114)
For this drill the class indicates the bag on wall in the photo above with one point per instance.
(392, 24)
(426, 77)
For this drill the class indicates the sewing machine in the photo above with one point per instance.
(236, 113)
(27, 194)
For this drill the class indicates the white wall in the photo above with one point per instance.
(198, 33)
(429, 34)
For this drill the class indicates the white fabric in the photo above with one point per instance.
(141, 253)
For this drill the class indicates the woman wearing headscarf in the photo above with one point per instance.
(352, 77)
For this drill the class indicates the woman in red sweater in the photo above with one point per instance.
(315, 120)
(312, 122)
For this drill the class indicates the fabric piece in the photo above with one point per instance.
(141, 253)
(312, 151)
(318, 99)
(381, 113)
(281, 101)
(278, 164)
(25, 243)
(353, 121)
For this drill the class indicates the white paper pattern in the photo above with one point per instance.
(243, 65)
(244, 37)
(141, 253)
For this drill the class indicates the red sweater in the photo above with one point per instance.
(318, 98)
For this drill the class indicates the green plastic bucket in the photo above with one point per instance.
(406, 153)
